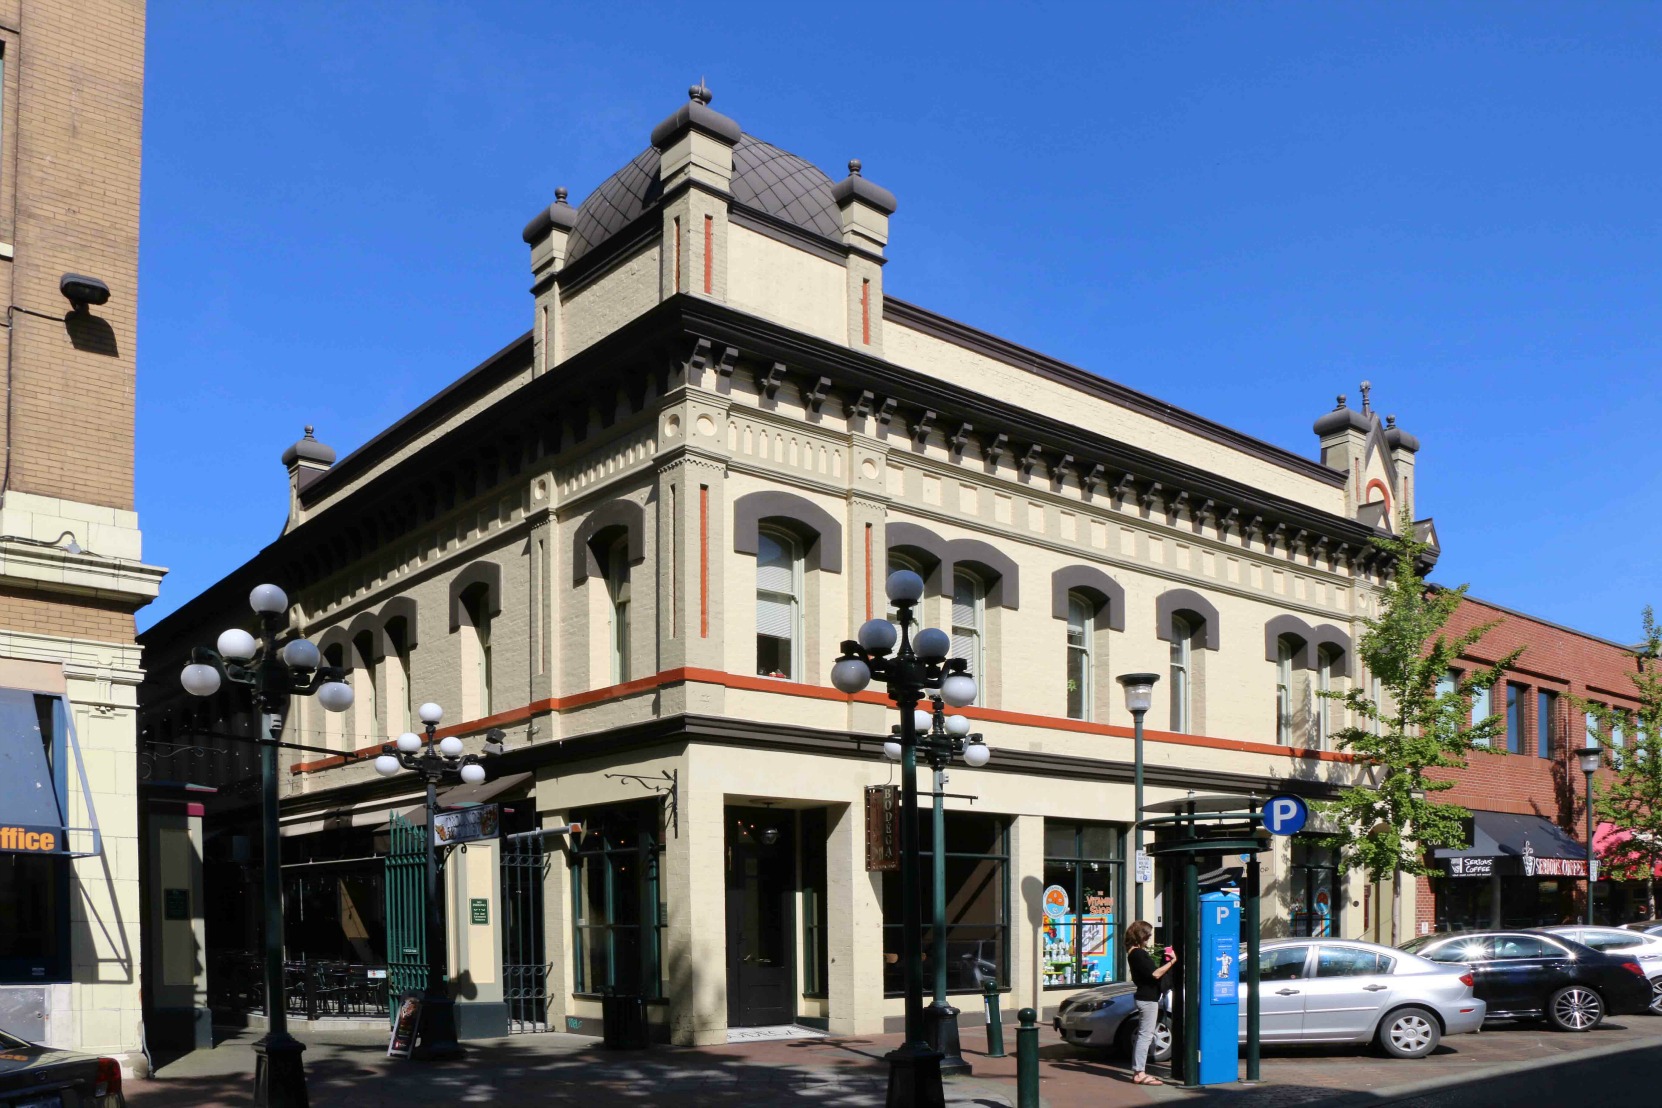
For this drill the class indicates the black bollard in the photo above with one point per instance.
(995, 1022)
(1027, 1059)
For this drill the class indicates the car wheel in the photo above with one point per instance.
(1409, 1033)
(1575, 1008)
(1656, 996)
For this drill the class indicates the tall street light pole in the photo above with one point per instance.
(1590, 756)
(919, 666)
(1139, 696)
(434, 761)
(943, 738)
(274, 673)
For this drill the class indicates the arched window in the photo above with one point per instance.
(1182, 634)
(969, 604)
(364, 730)
(476, 651)
(778, 604)
(400, 714)
(617, 589)
(1285, 649)
(1081, 616)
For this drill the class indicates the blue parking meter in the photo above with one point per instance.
(1220, 980)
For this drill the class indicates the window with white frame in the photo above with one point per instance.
(364, 730)
(617, 588)
(1181, 672)
(476, 651)
(1618, 740)
(400, 713)
(1328, 661)
(1482, 702)
(778, 604)
(1285, 648)
(1081, 615)
(969, 604)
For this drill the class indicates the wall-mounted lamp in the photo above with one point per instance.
(81, 290)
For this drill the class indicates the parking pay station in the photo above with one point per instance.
(1220, 947)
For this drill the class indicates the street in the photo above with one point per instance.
(1513, 1064)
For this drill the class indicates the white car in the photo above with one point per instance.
(1314, 991)
(1644, 949)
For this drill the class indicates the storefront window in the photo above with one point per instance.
(1082, 878)
(1315, 890)
(617, 918)
(977, 905)
(34, 888)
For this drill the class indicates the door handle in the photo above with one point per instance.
(1286, 992)
(1374, 988)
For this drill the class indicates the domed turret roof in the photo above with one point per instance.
(765, 178)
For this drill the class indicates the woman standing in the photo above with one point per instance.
(1147, 977)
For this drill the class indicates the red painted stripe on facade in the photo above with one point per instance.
(704, 561)
(865, 312)
(709, 250)
(868, 571)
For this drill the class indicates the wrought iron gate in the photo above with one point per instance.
(525, 947)
(406, 910)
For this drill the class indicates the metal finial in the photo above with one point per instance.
(854, 167)
(1367, 387)
(1390, 421)
(309, 430)
(1339, 402)
(559, 196)
(700, 93)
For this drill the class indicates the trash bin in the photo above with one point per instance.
(622, 1020)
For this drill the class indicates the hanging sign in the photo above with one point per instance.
(404, 1026)
(1056, 902)
(882, 828)
(467, 825)
(1285, 815)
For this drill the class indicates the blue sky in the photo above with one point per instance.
(1242, 209)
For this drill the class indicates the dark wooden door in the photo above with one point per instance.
(761, 883)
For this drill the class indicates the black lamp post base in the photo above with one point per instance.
(941, 1019)
(279, 1076)
(436, 1035)
(915, 1077)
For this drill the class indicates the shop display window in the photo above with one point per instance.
(977, 904)
(1080, 928)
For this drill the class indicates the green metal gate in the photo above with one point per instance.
(406, 910)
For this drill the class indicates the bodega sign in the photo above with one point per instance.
(32, 840)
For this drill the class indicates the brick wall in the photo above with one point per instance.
(65, 617)
(70, 127)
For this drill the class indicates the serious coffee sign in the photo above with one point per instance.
(882, 828)
(32, 840)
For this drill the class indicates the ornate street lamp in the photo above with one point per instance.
(944, 738)
(274, 673)
(1590, 756)
(435, 761)
(1139, 697)
(911, 670)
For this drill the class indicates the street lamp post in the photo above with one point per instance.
(911, 671)
(434, 761)
(1139, 696)
(274, 673)
(943, 738)
(1590, 756)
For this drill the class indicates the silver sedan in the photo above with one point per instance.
(1314, 991)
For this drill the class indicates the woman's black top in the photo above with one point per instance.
(1141, 964)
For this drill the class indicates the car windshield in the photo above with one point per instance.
(11, 1042)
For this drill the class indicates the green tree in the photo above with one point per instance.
(1631, 801)
(1386, 821)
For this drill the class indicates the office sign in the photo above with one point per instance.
(882, 828)
(467, 825)
(19, 839)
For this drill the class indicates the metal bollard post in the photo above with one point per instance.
(1027, 1059)
(995, 1022)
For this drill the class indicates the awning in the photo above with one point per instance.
(1610, 844)
(1511, 845)
(464, 796)
(34, 784)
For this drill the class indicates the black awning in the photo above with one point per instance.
(1511, 845)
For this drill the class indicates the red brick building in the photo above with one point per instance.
(1526, 864)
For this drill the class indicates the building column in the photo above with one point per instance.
(695, 882)
(1027, 867)
(854, 913)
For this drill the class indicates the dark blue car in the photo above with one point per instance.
(1529, 975)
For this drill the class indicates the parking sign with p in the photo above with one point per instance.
(1285, 815)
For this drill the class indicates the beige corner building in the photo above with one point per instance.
(71, 565)
(634, 538)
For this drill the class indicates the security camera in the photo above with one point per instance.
(81, 290)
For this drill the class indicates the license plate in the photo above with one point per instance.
(50, 1100)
